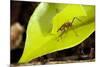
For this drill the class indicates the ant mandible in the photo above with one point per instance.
(67, 25)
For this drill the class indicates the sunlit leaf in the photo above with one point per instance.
(41, 41)
(67, 15)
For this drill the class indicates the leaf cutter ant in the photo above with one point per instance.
(66, 25)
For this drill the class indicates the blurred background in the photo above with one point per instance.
(20, 15)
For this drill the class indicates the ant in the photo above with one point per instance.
(66, 25)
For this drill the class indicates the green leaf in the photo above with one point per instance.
(41, 40)
(67, 14)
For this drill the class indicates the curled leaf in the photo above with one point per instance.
(40, 41)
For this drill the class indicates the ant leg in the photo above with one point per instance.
(63, 30)
(73, 19)
(76, 18)
(58, 29)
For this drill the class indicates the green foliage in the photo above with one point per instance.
(42, 36)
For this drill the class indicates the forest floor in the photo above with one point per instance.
(50, 62)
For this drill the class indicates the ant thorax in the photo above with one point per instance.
(68, 24)
(64, 26)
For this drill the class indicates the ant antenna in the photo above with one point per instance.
(76, 18)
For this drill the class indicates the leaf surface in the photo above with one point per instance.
(41, 38)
